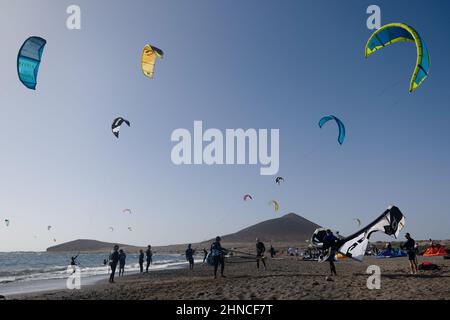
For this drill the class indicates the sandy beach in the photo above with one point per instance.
(286, 278)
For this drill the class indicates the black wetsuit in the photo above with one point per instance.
(114, 262)
(217, 253)
(73, 263)
(190, 257)
(260, 249)
(330, 243)
(149, 255)
(122, 259)
(409, 247)
(205, 255)
(272, 252)
(141, 262)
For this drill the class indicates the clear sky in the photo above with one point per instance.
(231, 64)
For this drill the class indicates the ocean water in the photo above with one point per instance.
(24, 272)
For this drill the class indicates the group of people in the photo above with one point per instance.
(410, 246)
(118, 258)
(217, 253)
(216, 256)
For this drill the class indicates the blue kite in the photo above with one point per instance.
(396, 32)
(28, 61)
(341, 126)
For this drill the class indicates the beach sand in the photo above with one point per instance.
(285, 278)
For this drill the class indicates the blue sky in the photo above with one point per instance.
(231, 64)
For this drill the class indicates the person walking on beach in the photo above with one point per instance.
(409, 246)
(205, 255)
(122, 259)
(141, 260)
(190, 256)
(107, 263)
(114, 262)
(260, 250)
(272, 251)
(218, 255)
(149, 255)
(329, 243)
(416, 250)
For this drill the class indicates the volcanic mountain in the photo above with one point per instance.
(289, 228)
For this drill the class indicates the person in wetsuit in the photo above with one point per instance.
(260, 250)
(114, 262)
(218, 255)
(141, 261)
(272, 251)
(149, 255)
(122, 260)
(389, 248)
(190, 256)
(329, 243)
(73, 263)
(409, 246)
(205, 255)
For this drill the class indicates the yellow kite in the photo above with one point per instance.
(149, 55)
(395, 32)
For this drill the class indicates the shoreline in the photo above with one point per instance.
(287, 278)
(45, 286)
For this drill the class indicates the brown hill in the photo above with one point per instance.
(289, 228)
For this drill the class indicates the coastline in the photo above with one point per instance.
(287, 278)
(13, 290)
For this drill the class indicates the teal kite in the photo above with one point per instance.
(395, 32)
(28, 61)
(341, 126)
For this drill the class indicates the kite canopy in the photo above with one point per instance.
(7, 222)
(318, 236)
(393, 253)
(117, 123)
(435, 251)
(390, 222)
(341, 126)
(247, 196)
(278, 180)
(28, 61)
(275, 204)
(126, 211)
(149, 56)
(395, 32)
